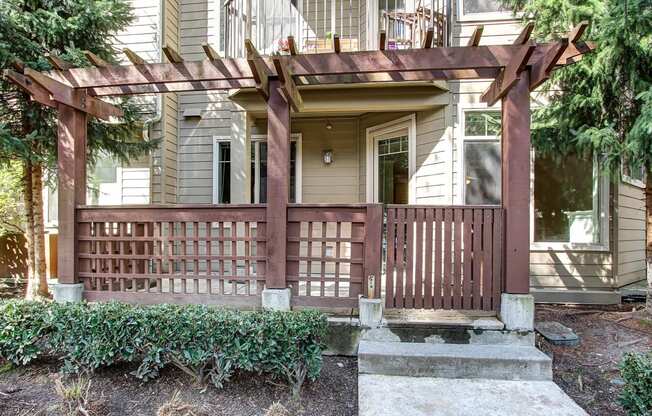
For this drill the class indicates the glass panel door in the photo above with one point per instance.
(393, 170)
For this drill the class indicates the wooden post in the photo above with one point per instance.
(278, 185)
(71, 186)
(516, 185)
(373, 250)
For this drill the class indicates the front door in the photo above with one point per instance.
(392, 168)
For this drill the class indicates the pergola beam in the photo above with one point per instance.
(211, 53)
(259, 69)
(95, 60)
(336, 43)
(289, 88)
(133, 57)
(58, 63)
(36, 91)
(525, 34)
(427, 41)
(345, 67)
(75, 98)
(541, 70)
(474, 40)
(509, 76)
(292, 46)
(172, 55)
(577, 32)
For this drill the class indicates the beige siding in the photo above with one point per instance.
(337, 182)
(630, 214)
(198, 24)
(433, 157)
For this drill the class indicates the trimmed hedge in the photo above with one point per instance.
(636, 397)
(209, 343)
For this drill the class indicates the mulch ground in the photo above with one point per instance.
(30, 391)
(589, 372)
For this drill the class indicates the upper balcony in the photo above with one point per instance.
(313, 24)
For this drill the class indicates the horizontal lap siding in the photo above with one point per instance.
(198, 24)
(631, 219)
(141, 37)
(169, 162)
(337, 182)
(432, 158)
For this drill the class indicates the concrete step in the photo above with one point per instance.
(462, 361)
(458, 335)
(380, 395)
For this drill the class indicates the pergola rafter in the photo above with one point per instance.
(516, 69)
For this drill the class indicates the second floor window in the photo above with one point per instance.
(482, 9)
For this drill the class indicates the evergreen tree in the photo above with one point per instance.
(603, 104)
(29, 29)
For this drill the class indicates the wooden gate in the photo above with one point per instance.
(443, 257)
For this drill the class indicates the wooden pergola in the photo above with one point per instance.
(516, 70)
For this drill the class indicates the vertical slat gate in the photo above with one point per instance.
(443, 257)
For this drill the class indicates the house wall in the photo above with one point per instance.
(555, 275)
(630, 250)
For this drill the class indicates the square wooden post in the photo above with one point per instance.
(71, 186)
(278, 185)
(516, 185)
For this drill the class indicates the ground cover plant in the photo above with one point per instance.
(210, 344)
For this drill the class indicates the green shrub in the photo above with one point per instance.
(636, 397)
(208, 343)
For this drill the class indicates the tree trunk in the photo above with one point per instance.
(648, 240)
(39, 230)
(32, 282)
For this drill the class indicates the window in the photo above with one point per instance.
(259, 169)
(482, 9)
(393, 170)
(482, 157)
(222, 171)
(570, 202)
(633, 175)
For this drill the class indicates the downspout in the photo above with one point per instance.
(158, 115)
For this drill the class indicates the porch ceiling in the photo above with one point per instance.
(344, 100)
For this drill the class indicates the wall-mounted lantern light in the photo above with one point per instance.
(327, 157)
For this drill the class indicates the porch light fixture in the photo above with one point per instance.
(329, 126)
(327, 157)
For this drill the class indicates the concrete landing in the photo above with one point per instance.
(381, 395)
(503, 362)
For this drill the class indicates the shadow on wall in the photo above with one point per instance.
(13, 256)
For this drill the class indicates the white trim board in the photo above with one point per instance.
(372, 133)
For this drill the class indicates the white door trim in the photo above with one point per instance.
(372, 133)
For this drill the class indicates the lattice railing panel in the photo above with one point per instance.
(209, 251)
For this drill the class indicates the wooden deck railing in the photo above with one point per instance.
(178, 254)
(332, 251)
(434, 257)
(443, 257)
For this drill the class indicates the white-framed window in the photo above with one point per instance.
(481, 156)
(221, 170)
(391, 162)
(633, 176)
(259, 168)
(569, 203)
(482, 10)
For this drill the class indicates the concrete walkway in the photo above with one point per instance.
(382, 395)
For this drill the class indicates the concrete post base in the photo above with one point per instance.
(276, 299)
(517, 312)
(371, 312)
(68, 292)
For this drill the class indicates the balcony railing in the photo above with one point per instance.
(313, 23)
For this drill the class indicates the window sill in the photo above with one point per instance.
(634, 182)
(540, 246)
